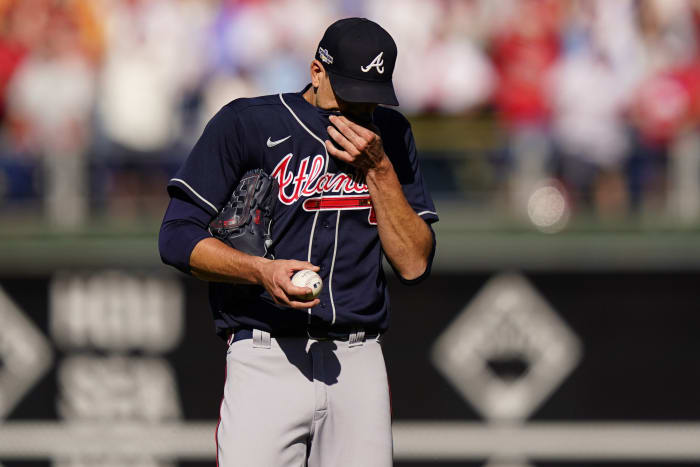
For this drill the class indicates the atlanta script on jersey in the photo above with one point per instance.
(324, 214)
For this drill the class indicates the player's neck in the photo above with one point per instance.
(313, 97)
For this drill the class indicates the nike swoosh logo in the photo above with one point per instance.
(272, 144)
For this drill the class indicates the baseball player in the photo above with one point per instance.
(306, 382)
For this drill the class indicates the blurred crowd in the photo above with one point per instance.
(101, 99)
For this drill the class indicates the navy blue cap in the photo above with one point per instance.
(359, 56)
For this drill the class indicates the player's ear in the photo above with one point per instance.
(317, 73)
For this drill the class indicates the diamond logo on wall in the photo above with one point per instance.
(507, 351)
(25, 354)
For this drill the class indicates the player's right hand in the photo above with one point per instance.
(276, 277)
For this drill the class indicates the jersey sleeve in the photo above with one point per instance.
(184, 226)
(400, 146)
(416, 191)
(213, 168)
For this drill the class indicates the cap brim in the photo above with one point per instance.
(354, 90)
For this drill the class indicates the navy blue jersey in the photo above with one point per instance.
(324, 214)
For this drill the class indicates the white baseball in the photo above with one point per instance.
(308, 278)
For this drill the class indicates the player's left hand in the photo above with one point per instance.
(361, 147)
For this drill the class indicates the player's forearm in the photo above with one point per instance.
(406, 238)
(214, 261)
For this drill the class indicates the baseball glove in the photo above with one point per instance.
(245, 222)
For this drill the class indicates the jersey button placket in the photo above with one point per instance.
(322, 251)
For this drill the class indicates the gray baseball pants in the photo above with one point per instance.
(303, 402)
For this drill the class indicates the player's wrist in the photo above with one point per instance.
(383, 168)
(258, 268)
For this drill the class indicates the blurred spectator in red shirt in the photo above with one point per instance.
(22, 24)
(523, 53)
(664, 112)
(51, 94)
(667, 99)
(524, 50)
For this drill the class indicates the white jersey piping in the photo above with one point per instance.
(427, 212)
(179, 180)
(313, 226)
(311, 238)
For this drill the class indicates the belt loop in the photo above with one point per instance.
(356, 338)
(261, 339)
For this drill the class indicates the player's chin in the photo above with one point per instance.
(358, 112)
